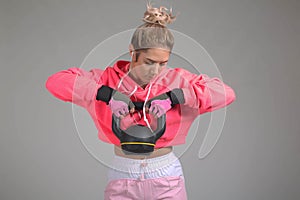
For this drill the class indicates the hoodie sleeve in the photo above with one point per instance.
(75, 85)
(205, 93)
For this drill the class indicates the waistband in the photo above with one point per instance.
(151, 164)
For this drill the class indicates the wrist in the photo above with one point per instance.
(176, 96)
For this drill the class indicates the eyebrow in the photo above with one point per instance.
(156, 61)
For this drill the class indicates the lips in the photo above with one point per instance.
(151, 76)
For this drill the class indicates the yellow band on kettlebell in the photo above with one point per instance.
(145, 143)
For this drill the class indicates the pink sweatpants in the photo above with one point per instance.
(167, 188)
(150, 179)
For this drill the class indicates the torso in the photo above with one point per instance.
(156, 153)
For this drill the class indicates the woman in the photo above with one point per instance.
(157, 175)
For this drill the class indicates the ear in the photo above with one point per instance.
(131, 49)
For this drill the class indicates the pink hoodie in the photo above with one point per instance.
(202, 94)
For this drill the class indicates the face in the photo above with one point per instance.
(149, 64)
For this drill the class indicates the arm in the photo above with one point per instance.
(75, 85)
(205, 93)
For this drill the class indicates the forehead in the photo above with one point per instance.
(158, 55)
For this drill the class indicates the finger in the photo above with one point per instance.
(159, 112)
(154, 111)
(125, 111)
(148, 104)
(131, 105)
(120, 113)
(151, 109)
(117, 114)
(132, 110)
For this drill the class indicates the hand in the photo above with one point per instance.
(160, 107)
(119, 104)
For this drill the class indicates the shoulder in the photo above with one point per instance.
(180, 73)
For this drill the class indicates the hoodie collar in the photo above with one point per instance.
(121, 67)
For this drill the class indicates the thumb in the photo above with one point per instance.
(132, 110)
(131, 107)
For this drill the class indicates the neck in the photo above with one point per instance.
(137, 80)
(134, 77)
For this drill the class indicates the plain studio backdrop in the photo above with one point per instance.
(255, 45)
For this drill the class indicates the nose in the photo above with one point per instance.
(155, 69)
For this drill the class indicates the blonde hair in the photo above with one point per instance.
(154, 33)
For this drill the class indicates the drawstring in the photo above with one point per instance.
(143, 165)
(119, 85)
(135, 88)
(121, 80)
(144, 108)
(147, 97)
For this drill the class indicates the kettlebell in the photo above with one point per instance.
(138, 139)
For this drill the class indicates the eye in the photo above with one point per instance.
(162, 64)
(149, 63)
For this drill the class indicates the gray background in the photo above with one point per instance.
(254, 43)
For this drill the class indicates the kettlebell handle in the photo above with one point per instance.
(160, 129)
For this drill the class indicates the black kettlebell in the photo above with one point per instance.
(138, 139)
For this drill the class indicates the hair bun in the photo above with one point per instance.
(158, 15)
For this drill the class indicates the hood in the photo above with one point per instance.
(123, 83)
(121, 67)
